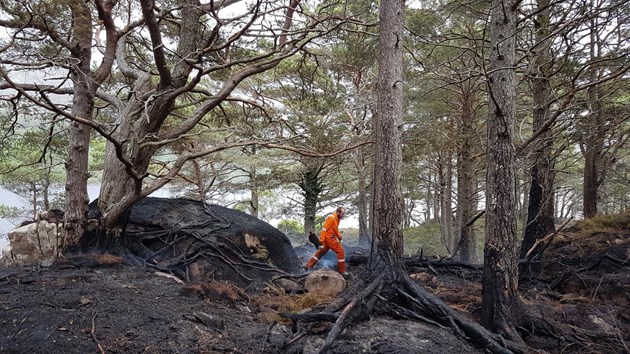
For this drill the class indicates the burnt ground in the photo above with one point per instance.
(97, 304)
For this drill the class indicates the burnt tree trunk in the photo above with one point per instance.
(540, 210)
(500, 276)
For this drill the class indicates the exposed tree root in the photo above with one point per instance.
(606, 257)
(399, 295)
(196, 241)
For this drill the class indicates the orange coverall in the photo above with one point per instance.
(330, 238)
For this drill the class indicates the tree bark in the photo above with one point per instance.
(465, 180)
(594, 133)
(500, 277)
(445, 176)
(362, 206)
(79, 137)
(540, 209)
(387, 199)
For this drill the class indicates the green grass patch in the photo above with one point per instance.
(605, 223)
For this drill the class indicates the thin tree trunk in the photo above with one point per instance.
(466, 183)
(46, 187)
(436, 196)
(442, 218)
(447, 205)
(33, 188)
(199, 180)
(540, 210)
(79, 138)
(362, 201)
(593, 143)
(500, 276)
(253, 189)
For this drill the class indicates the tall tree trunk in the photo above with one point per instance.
(466, 182)
(79, 138)
(592, 151)
(437, 192)
(362, 197)
(387, 242)
(441, 199)
(594, 132)
(33, 190)
(447, 204)
(445, 172)
(429, 198)
(540, 209)
(500, 276)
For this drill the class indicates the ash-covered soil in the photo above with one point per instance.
(97, 304)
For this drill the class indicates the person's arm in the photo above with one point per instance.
(336, 230)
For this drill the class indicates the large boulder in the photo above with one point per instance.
(33, 242)
(199, 241)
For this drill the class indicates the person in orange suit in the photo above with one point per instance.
(330, 238)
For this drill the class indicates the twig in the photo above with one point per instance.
(598, 285)
(293, 340)
(100, 348)
(529, 255)
(171, 276)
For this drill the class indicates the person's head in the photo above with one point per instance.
(341, 212)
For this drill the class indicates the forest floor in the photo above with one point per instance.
(97, 304)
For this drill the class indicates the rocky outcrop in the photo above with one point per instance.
(33, 242)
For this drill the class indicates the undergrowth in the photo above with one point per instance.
(605, 223)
